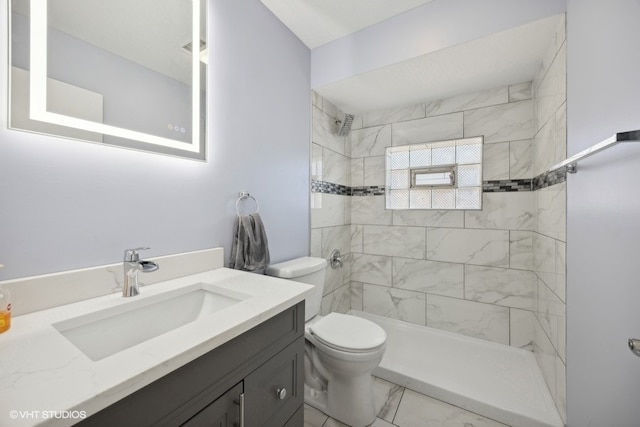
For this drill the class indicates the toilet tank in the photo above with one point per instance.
(308, 270)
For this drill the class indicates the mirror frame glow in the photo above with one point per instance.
(38, 88)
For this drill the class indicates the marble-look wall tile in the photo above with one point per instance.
(522, 329)
(335, 278)
(316, 243)
(468, 101)
(347, 210)
(544, 152)
(452, 219)
(561, 337)
(561, 271)
(544, 259)
(382, 117)
(500, 286)
(407, 242)
(356, 296)
(496, 161)
(521, 159)
(521, 250)
(503, 211)
(449, 126)
(357, 172)
(418, 410)
(374, 171)
(520, 92)
(546, 357)
(331, 109)
(316, 162)
(369, 210)
(560, 134)
(501, 123)
(548, 58)
(331, 213)
(552, 92)
(373, 269)
(336, 168)
(337, 301)
(336, 238)
(552, 211)
(316, 202)
(394, 303)
(370, 141)
(316, 99)
(357, 122)
(561, 389)
(325, 132)
(485, 321)
(551, 313)
(468, 246)
(440, 278)
(357, 232)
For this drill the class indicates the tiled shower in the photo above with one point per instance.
(497, 273)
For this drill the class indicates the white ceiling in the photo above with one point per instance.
(509, 57)
(505, 58)
(318, 22)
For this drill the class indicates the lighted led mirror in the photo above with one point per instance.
(129, 73)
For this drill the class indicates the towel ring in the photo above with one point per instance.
(244, 195)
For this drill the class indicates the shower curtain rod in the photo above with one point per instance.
(572, 162)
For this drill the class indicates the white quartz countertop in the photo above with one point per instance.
(46, 381)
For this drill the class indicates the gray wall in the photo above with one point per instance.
(66, 204)
(603, 288)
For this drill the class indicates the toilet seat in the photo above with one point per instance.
(347, 333)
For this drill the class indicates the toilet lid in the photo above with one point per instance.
(348, 333)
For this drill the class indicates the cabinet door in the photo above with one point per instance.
(275, 391)
(223, 412)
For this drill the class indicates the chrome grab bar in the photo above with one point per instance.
(572, 162)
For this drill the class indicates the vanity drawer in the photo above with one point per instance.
(275, 391)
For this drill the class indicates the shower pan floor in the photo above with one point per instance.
(497, 381)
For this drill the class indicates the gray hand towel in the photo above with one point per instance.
(250, 250)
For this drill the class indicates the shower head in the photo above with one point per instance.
(345, 124)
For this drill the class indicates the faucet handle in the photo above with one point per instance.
(131, 255)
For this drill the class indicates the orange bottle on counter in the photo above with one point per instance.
(5, 309)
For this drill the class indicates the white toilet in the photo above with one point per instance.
(341, 351)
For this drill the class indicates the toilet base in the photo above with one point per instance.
(340, 403)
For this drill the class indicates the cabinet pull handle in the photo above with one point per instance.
(240, 402)
(242, 410)
(281, 393)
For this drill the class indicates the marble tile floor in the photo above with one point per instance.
(401, 407)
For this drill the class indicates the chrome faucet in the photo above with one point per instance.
(132, 265)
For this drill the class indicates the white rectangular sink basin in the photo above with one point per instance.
(103, 333)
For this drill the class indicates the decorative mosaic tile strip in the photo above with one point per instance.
(548, 179)
(329, 188)
(506, 185)
(530, 184)
(376, 190)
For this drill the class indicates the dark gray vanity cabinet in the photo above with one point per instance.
(256, 379)
(222, 412)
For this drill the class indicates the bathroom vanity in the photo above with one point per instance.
(256, 379)
(219, 347)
